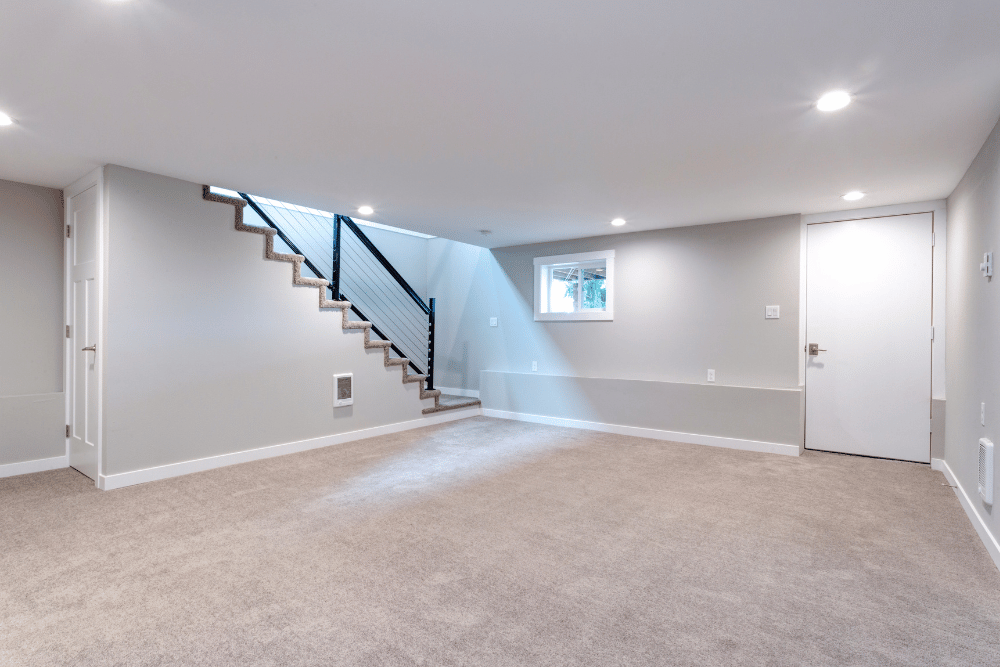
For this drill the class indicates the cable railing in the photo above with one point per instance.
(337, 250)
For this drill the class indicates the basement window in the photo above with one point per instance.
(575, 287)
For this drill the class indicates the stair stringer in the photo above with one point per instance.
(321, 285)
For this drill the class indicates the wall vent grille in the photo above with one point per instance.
(986, 470)
(343, 389)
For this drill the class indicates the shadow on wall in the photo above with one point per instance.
(471, 287)
(458, 365)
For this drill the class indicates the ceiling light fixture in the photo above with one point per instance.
(834, 100)
(618, 222)
(5, 119)
(853, 195)
(365, 210)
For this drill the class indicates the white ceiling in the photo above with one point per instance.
(539, 120)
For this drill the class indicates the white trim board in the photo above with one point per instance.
(989, 541)
(470, 393)
(652, 433)
(120, 480)
(38, 465)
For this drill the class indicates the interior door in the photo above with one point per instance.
(868, 318)
(82, 247)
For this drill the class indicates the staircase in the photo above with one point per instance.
(362, 281)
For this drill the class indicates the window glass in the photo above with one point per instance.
(563, 284)
(595, 292)
(575, 287)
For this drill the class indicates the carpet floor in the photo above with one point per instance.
(491, 542)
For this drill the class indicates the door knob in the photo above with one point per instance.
(814, 349)
(92, 348)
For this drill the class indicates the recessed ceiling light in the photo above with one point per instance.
(853, 195)
(834, 100)
(5, 119)
(365, 210)
(618, 222)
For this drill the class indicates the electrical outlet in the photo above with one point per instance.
(493, 321)
(711, 375)
(982, 414)
(534, 365)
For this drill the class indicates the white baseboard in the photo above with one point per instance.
(655, 434)
(38, 465)
(109, 482)
(471, 393)
(990, 542)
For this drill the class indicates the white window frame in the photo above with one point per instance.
(582, 260)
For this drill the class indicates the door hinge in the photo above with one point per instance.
(67, 430)
(933, 242)
(67, 331)
(67, 231)
(932, 333)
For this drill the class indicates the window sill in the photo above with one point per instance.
(599, 316)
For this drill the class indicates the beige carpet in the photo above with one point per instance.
(490, 542)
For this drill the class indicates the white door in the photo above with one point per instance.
(868, 310)
(82, 249)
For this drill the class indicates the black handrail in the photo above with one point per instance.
(335, 278)
(430, 347)
(381, 335)
(336, 270)
(294, 248)
(385, 263)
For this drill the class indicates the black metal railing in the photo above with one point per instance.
(337, 250)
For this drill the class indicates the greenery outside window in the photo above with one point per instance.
(575, 287)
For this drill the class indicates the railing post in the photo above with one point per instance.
(335, 274)
(430, 346)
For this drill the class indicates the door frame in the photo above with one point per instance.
(935, 208)
(94, 179)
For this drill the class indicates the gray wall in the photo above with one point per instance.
(745, 413)
(31, 323)
(973, 313)
(210, 348)
(405, 252)
(686, 300)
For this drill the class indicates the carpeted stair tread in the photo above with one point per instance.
(471, 403)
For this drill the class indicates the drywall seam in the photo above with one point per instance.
(652, 433)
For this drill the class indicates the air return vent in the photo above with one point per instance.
(343, 389)
(986, 471)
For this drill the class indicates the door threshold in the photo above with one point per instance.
(867, 456)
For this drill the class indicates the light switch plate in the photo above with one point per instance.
(772, 312)
(711, 375)
(534, 365)
(493, 321)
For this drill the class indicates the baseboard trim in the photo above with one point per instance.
(120, 480)
(38, 465)
(989, 541)
(655, 434)
(470, 393)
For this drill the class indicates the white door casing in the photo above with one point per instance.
(84, 217)
(869, 308)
